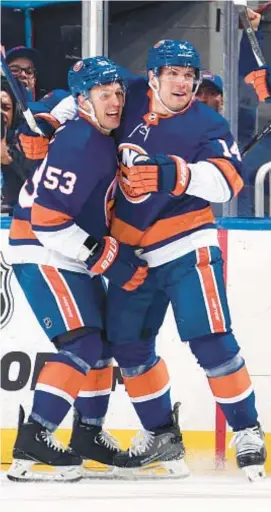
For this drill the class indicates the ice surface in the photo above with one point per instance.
(198, 493)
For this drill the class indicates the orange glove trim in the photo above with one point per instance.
(258, 80)
(34, 148)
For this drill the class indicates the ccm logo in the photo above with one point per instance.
(111, 247)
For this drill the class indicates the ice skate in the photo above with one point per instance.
(156, 454)
(35, 445)
(250, 452)
(95, 444)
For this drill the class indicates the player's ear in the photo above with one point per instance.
(153, 80)
(81, 100)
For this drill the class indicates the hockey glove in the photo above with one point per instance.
(117, 262)
(261, 81)
(161, 173)
(35, 146)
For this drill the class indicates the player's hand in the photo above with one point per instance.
(34, 146)
(254, 18)
(161, 173)
(118, 263)
(261, 81)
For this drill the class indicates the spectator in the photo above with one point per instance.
(15, 167)
(25, 63)
(210, 91)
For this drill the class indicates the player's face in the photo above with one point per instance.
(108, 102)
(176, 86)
(23, 69)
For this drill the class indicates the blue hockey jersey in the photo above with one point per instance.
(166, 226)
(67, 199)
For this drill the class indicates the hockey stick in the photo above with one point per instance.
(241, 6)
(265, 131)
(19, 98)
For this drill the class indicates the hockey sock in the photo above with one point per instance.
(93, 397)
(235, 395)
(56, 389)
(150, 395)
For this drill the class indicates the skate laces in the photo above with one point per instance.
(108, 440)
(141, 442)
(51, 442)
(248, 440)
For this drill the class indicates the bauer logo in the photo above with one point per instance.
(7, 300)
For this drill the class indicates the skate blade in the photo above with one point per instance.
(255, 473)
(21, 471)
(174, 469)
(101, 472)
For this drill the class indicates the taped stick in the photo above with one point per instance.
(241, 6)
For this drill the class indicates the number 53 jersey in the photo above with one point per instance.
(66, 199)
(163, 225)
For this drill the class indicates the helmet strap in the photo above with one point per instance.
(92, 116)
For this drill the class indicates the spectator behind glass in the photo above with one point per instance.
(15, 167)
(25, 63)
(210, 91)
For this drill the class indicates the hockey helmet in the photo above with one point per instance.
(87, 73)
(171, 52)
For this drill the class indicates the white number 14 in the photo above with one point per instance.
(232, 151)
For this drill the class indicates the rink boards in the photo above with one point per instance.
(24, 348)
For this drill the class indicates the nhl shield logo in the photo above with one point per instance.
(7, 300)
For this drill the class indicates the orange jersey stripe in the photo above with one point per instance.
(42, 216)
(148, 383)
(229, 386)
(162, 229)
(21, 229)
(61, 376)
(63, 296)
(211, 296)
(230, 173)
(98, 380)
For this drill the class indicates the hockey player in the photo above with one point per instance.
(177, 155)
(59, 248)
(260, 78)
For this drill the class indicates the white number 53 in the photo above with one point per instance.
(52, 177)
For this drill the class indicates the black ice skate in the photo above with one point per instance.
(250, 452)
(156, 454)
(34, 444)
(93, 443)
